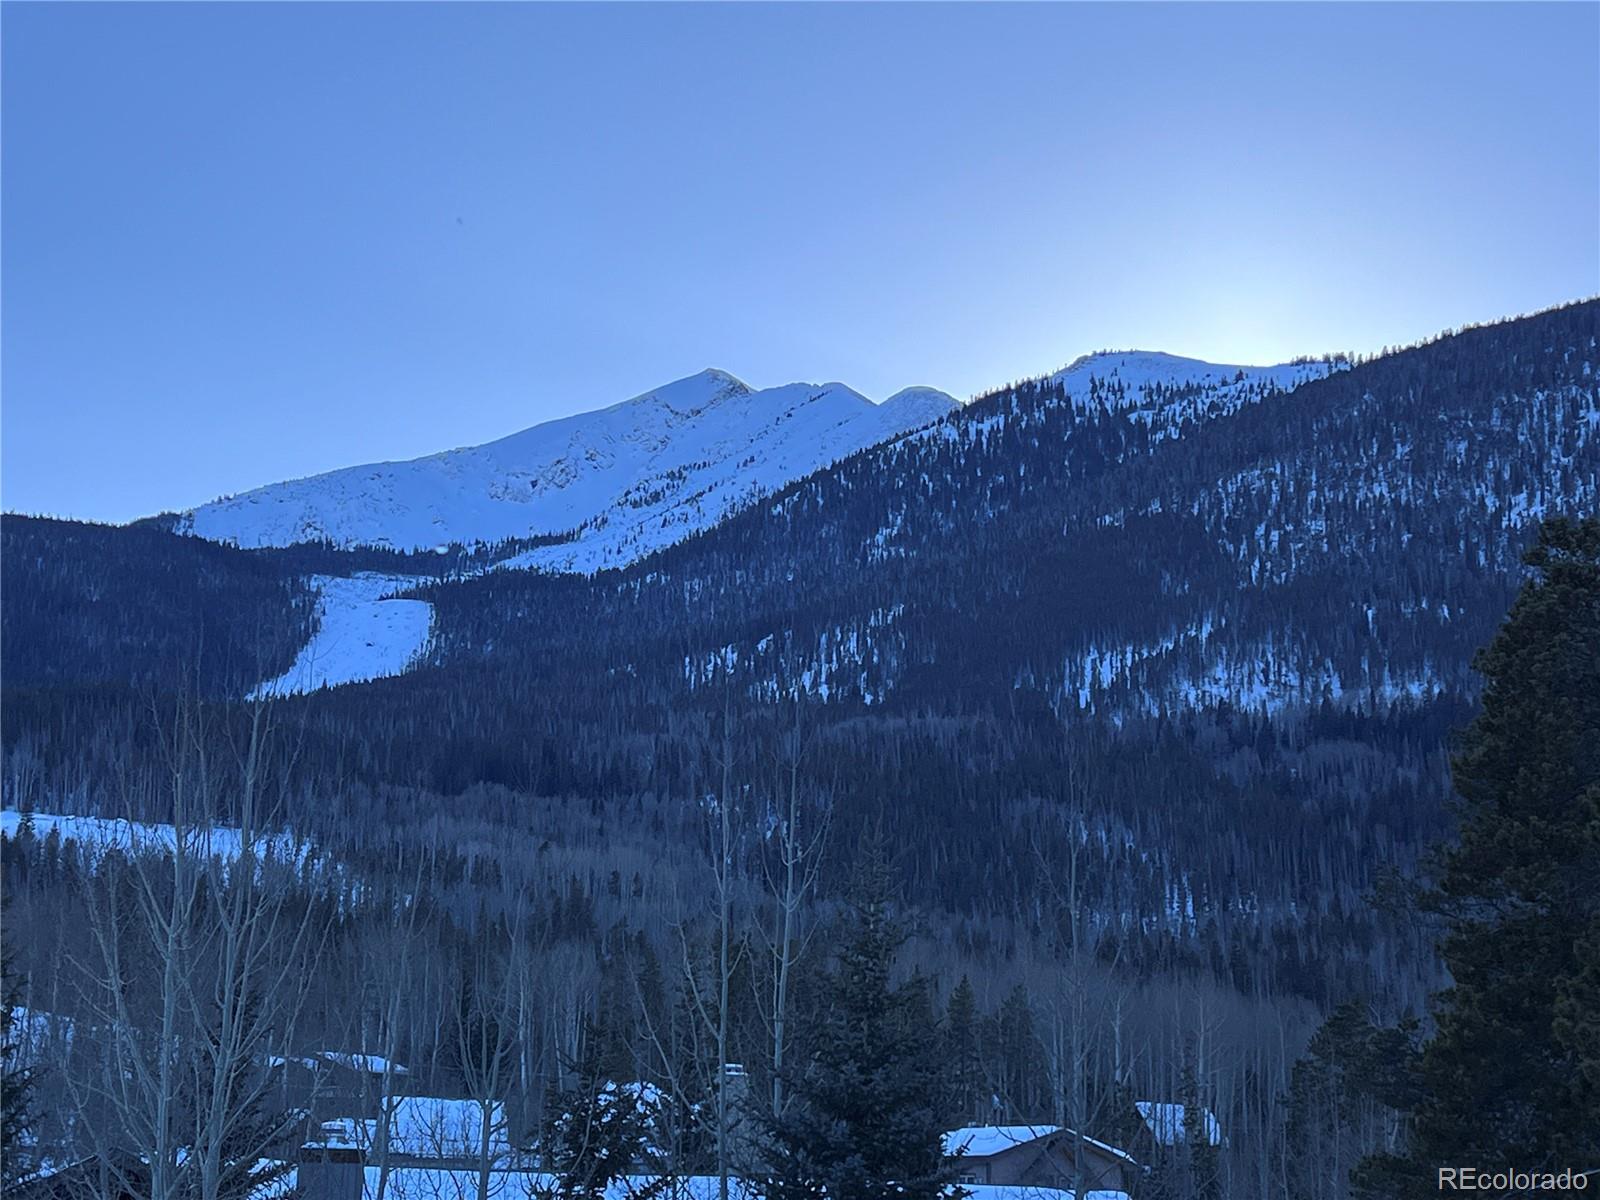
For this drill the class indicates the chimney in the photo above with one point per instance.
(741, 1129)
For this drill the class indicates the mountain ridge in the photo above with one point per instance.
(614, 484)
(673, 460)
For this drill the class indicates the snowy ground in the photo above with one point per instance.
(361, 634)
(411, 1183)
(99, 834)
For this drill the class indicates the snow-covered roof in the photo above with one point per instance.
(425, 1127)
(1168, 1126)
(431, 1125)
(371, 1064)
(980, 1141)
(1107, 1147)
(279, 1060)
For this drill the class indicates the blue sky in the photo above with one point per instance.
(244, 243)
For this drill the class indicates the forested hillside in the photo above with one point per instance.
(1147, 690)
(1349, 540)
(87, 604)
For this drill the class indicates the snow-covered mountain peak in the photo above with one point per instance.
(920, 399)
(695, 391)
(1140, 368)
(1141, 379)
(623, 480)
(721, 378)
(1149, 360)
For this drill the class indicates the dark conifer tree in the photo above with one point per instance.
(1020, 1056)
(1511, 1078)
(594, 1134)
(1346, 1096)
(868, 1112)
(962, 1055)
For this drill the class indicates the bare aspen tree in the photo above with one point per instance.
(193, 977)
(793, 880)
(393, 971)
(724, 887)
(667, 1064)
(713, 1014)
(570, 976)
(486, 1032)
(133, 1102)
(260, 946)
(1072, 1045)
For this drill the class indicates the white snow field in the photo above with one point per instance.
(362, 633)
(628, 479)
(422, 1183)
(100, 834)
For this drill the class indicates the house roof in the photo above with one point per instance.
(431, 1125)
(1169, 1126)
(372, 1064)
(980, 1141)
(425, 1127)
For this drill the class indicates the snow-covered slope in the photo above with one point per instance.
(97, 835)
(362, 633)
(627, 479)
(1164, 392)
(1167, 385)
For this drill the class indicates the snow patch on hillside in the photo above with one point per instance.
(362, 633)
(101, 834)
(1129, 379)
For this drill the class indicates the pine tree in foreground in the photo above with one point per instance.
(962, 1055)
(1346, 1097)
(1511, 1078)
(595, 1133)
(867, 1118)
